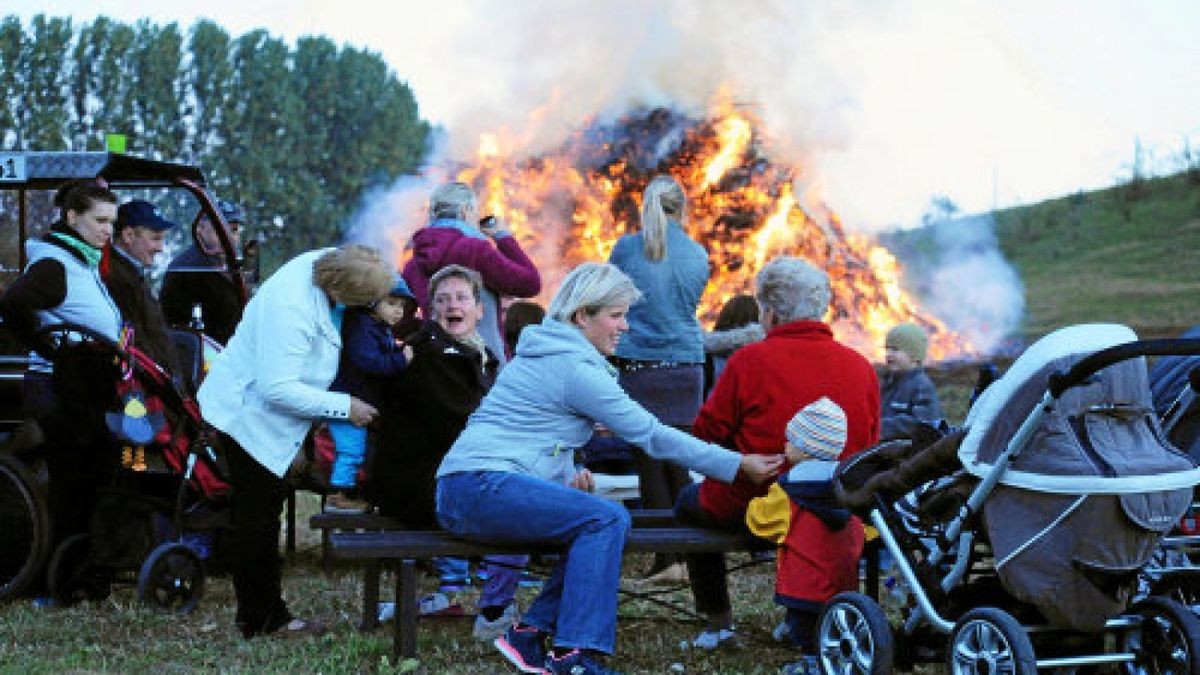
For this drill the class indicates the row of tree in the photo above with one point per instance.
(294, 134)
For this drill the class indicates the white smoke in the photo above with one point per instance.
(971, 286)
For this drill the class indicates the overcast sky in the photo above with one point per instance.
(885, 103)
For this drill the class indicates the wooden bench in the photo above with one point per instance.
(378, 540)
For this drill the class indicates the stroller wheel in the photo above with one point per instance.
(70, 574)
(24, 527)
(1168, 640)
(854, 637)
(987, 640)
(172, 578)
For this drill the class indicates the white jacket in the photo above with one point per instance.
(271, 382)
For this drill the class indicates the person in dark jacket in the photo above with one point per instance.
(62, 284)
(907, 395)
(139, 237)
(200, 276)
(371, 355)
(454, 236)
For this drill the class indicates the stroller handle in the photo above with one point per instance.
(1089, 365)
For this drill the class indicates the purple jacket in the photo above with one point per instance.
(505, 269)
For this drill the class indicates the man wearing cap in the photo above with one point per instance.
(137, 239)
(199, 276)
(907, 395)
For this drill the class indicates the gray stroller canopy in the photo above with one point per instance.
(1116, 459)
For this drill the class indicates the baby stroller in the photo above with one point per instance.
(162, 514)
(1021, 537)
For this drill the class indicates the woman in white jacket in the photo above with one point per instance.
(263, 393)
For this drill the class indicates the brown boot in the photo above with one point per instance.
(340, 502)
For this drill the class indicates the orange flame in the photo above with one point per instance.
(571, 205)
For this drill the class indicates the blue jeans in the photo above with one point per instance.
(578, 603)
(350, 444)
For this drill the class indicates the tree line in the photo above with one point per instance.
(293, 134)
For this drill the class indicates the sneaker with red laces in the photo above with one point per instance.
(524, 647)
(576, 662)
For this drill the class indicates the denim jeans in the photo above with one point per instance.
(578, 603)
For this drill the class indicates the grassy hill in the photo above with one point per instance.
(1128, 254)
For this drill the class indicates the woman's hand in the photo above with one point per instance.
(494, 227)
(584, 481)
(361, 412)
(761, 468)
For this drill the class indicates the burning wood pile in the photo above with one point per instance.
(571, 204)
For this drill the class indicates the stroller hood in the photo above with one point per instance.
(1101, 437)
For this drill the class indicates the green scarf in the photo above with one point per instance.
(91, 254)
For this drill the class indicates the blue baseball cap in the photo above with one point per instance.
(140, 213)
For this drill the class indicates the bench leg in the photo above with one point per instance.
(404, 639)
(326, 559)
(370, 597)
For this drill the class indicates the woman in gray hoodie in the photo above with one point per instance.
(511, 476)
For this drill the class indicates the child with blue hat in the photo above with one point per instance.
(371, 354)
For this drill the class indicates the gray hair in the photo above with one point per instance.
(794, 289)
(592, 286)
(450, 199)
(456, 272)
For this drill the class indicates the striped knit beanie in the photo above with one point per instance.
(819, 429)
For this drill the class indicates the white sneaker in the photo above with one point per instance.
(488, 631)
(710, 640)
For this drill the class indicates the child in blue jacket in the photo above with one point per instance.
(371, 353)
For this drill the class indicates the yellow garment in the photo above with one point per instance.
(770, 515)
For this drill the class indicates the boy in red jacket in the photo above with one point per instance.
(819, 541)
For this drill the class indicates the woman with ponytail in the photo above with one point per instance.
(661, 359)
(62, 283)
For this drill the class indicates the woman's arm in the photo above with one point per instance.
(43, 285)
(504, 267)
(284, 354)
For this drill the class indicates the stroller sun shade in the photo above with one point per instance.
(1102, 436)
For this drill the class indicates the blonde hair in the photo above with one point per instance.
(592, 286)
(794, 289)
(449, 200)
(354, 275)
(663, 201)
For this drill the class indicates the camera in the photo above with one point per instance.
(487, 221)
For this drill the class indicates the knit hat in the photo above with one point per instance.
(819, 429)
(910, 339)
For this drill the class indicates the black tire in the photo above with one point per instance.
(172, 578)
(1183, 587)
(24, 527)
(1166, 643)
(853, 636)
(989, 640)
(70, 574)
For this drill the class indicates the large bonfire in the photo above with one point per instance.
(570, 205)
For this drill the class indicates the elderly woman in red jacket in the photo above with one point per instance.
(762, 386)
(454, 236)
